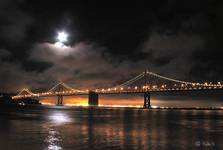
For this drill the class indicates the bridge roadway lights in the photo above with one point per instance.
(147, 100)
(60, 100)
(93, 99)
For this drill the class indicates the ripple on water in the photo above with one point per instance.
(53, 140)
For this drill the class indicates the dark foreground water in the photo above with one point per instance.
(57, 128)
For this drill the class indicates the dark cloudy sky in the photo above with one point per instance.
(108, 42)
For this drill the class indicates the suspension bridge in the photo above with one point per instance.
(146, 83)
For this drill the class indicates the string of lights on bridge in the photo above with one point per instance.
(125, 87)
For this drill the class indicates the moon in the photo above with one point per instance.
(61, 39)
(62, 36)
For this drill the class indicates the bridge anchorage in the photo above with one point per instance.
(93, 98)
(145, 83)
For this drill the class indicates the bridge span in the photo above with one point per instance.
(144, 83)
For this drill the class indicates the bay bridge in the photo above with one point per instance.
(146, 83)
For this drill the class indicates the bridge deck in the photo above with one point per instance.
(123, 91)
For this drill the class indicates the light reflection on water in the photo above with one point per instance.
(59, 118)
(53, 140)
(87, 128)
(56, 118)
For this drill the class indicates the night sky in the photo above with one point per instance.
(108, 42)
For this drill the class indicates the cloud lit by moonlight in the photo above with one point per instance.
(60, 45)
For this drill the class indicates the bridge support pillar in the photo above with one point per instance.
(147, 100)
(93, 99)
(60, 100)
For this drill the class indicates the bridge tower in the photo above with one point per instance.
(147, 93)
(93, 98)
(147, 100)
(60, 100)
(60, 97)
(58, 89)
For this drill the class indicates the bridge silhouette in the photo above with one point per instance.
(146, 83)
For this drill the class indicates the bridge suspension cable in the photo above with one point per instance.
(140, 76)
(64, 85)
(136, 78)
(169, 79)
(25, 90)
(179, 81)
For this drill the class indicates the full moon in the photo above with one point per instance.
(62, 36)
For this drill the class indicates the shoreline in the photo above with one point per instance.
(108, 107)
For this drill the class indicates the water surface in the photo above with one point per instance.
(68, 128)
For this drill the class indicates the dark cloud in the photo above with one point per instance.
(108, 44)
(83, 64)
(172, 53)
(12, 75)
(15, 22)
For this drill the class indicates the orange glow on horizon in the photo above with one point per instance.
(76, 101)
(68, 104)
(103, 101)
(133, 101)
